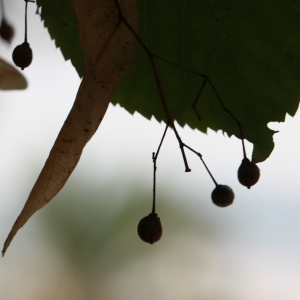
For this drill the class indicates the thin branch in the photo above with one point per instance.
(151, 57)
(25, 39)
(26, 2)
(161, 141)
(206, 167)
(197, 98)
(207, 79)
(154, 158)
(170, 120)
(154, 182)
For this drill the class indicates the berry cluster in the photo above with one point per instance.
(150, 229)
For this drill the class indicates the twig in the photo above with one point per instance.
(151, 57)
(207, 79)
(26, 2)
(154, 158)
(206, 167)
(170, 121)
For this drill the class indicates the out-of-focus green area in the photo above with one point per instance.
(86, 247)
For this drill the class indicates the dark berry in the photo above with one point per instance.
(22, 55)
(222, 195)
(248, 173)
(6, 31)
(149, 228)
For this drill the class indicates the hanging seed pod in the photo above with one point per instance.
(248, 173)
(22, 55)
(149, 228)
(222, 195)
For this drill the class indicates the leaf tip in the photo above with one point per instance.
(5, 246)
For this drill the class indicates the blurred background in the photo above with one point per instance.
(83, 245)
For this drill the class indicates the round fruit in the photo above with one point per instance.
(6, 31)
(248, 173)
(22, 55)
(222, 195)
(149, 228)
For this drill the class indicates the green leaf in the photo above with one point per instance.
(59, 18)
(249, 49)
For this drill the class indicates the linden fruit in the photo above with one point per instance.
(149, 228)
(22, 55)
(248, 173)
(222, 195)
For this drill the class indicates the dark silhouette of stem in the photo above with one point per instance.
(151, 57)
(207, 79)
(154, 183)
(154, 158)
(170, 121)
(197, 98)
(26, 2)
(206, 167)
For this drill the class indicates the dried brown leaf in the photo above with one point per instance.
(109, 49)
(10, 77)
